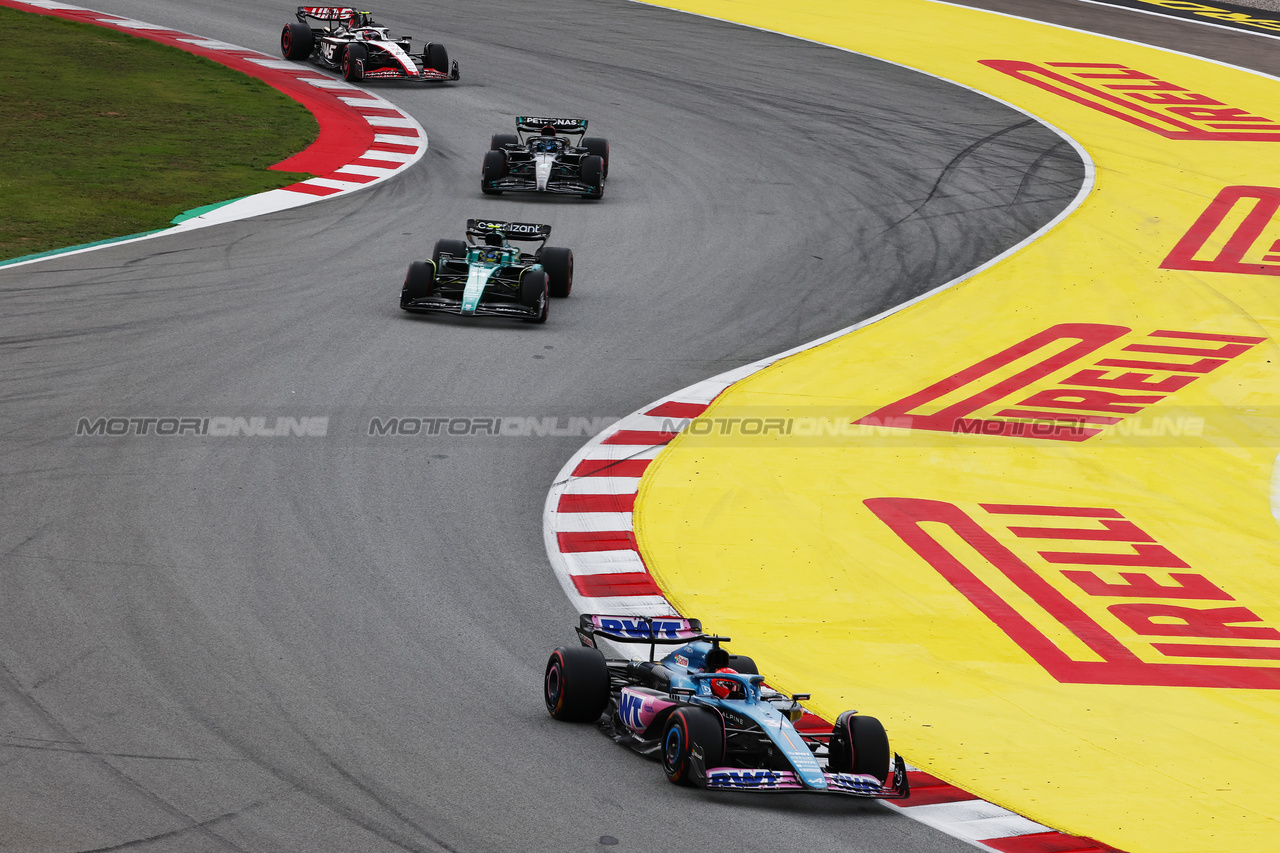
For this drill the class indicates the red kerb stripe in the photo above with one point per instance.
(608, 585)
(605, 540)
(672, 409)
(927, 790)
(312, 189)
(610, 468)
(645, 438)
(394, 146)
(1042, 842)
(597, 503)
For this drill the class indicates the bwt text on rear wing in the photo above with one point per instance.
(671, 630)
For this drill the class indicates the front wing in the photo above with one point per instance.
(485, 308)
(849, 784)
(523, 183)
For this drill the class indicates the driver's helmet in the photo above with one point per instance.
(727, 688)
(367, 35)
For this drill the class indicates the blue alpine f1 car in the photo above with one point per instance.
(710, 717)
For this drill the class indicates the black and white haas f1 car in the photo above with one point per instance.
(709, 716)
(349, 41)
(546, 155)
(486, 276)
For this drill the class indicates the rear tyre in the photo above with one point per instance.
(599, 147)
(418, 282)
(559, 266)
(296, 41)
(743, 664)
(435, 57)
(453, 248)
(859, 745)
(500, 139)
(494, 169)
(533, 294)
(576, 684)
(686, 729)
(593, 176)
(353, 59)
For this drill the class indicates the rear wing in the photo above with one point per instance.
(344, 14)
(533, 125)
(524, 231)
(667, 630)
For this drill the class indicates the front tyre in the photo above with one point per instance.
(559, 266)
(599, 147)
(353, 59)
(419, 282)
(296, 41)
(533, 294)
(859, 745)
(576, 684)
(493, 170)
(688, 729)
(593, 176)
(435, 57)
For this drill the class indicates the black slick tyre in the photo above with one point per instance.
(859, 745)
(593, 175)
(353, 59)
(688, 729)
(498, 140)
(418, 282)
(558, 263)
(533, 294)
(600, 148)
(494, 168)
(743, 664)
(576, 684)
(296, 41)
(435, 57)
(453, 248)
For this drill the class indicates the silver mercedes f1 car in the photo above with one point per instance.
(546, 155)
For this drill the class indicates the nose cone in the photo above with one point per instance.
(542, 169)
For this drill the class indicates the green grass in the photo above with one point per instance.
(103, 135)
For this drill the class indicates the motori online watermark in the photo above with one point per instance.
(505, 426)
(825, 429)
(215, 426)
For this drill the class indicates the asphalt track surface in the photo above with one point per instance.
(337, 643)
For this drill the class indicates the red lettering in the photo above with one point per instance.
(1171, 98)
(1143, 556)
(1224, 351)
(1091, 401)
(1113, 531)
(1225, 114)
(1127, 381)
(1138, 585)
(1204, 365)
(1191, 621)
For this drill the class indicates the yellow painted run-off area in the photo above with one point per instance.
(1028, 522)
